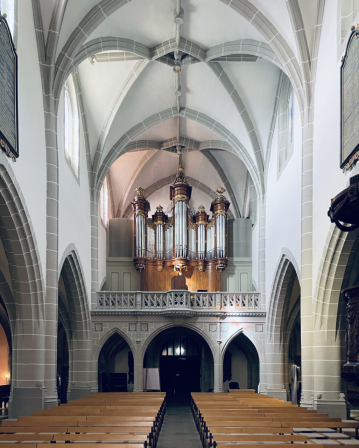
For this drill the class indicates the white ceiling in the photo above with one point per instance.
(207, 23)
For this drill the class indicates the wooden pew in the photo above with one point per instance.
(101, 418)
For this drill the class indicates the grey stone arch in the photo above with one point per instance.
(337, 263)
(7, 314)
(79, 341)
(277, 338)
(97, 346)
(253, 352)
(30, 361)
(199, 335)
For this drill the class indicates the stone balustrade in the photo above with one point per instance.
(179, 300)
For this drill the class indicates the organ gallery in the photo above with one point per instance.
(179, 242)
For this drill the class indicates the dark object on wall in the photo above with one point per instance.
(131, 365)
(227, 366)
(349, 99)
(117, 382)
(233, 385)
(4, 394)
(8, 93)
(62, 383)
(344, 207)
(350, 370)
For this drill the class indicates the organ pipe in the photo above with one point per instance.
(182, 238)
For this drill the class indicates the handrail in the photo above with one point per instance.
(179, 299)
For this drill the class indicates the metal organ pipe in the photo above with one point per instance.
(220, 223)
(159, 241)
(184, 205)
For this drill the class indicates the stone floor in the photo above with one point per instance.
(178, 429)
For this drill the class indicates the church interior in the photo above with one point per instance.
(179, 219)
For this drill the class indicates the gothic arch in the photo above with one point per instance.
(78, 323)
(168, 326)
(96, 350)
(338, 253)
(286, 272)
(250, 337)
(120, 146)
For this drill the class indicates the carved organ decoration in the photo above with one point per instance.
(183, 241)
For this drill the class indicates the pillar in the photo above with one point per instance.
(218, 368)
(138, 370)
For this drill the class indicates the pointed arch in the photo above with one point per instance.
(211, 344)
(78, 324)
(250, 337)
(121, 145)
(96, 349)
(285, 274)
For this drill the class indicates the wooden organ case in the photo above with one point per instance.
(194, 247)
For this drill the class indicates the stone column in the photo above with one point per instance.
(218, 368)
(80, 368)
(275, 378)
(138, 370)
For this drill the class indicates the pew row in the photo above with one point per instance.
(250, 419)
(101, 418)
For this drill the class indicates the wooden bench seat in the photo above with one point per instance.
(32, 429)
(21, 438)
(260, 438)
(111, 438)
(261, 445)
(240, 430)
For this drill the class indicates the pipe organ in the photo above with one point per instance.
(180, 242)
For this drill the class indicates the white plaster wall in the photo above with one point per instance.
(255, 236)
(74, 205)
(30, 167)
(102, 251)
(328, 177)
(283, 220)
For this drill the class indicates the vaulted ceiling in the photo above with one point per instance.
(216, 110)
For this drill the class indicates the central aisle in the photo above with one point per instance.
(178, 427)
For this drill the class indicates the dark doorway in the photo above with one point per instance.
(115, 366)
(180, 366)
(62, 363)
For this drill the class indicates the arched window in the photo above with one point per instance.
(285, 123)
(71, 126)
(180, 346)
(290, 118)
(104, 203)
(8, 7)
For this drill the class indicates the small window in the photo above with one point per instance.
(180, 346)
(104, 203)
(8, 7)
(290, 118)
(71, 126)
(285, 124)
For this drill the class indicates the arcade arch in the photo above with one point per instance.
(283, 344)
(186, 367)
(115, 365)
(240, 363)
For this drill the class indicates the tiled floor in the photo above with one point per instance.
(178, 429)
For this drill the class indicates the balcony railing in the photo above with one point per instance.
(179, 300)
